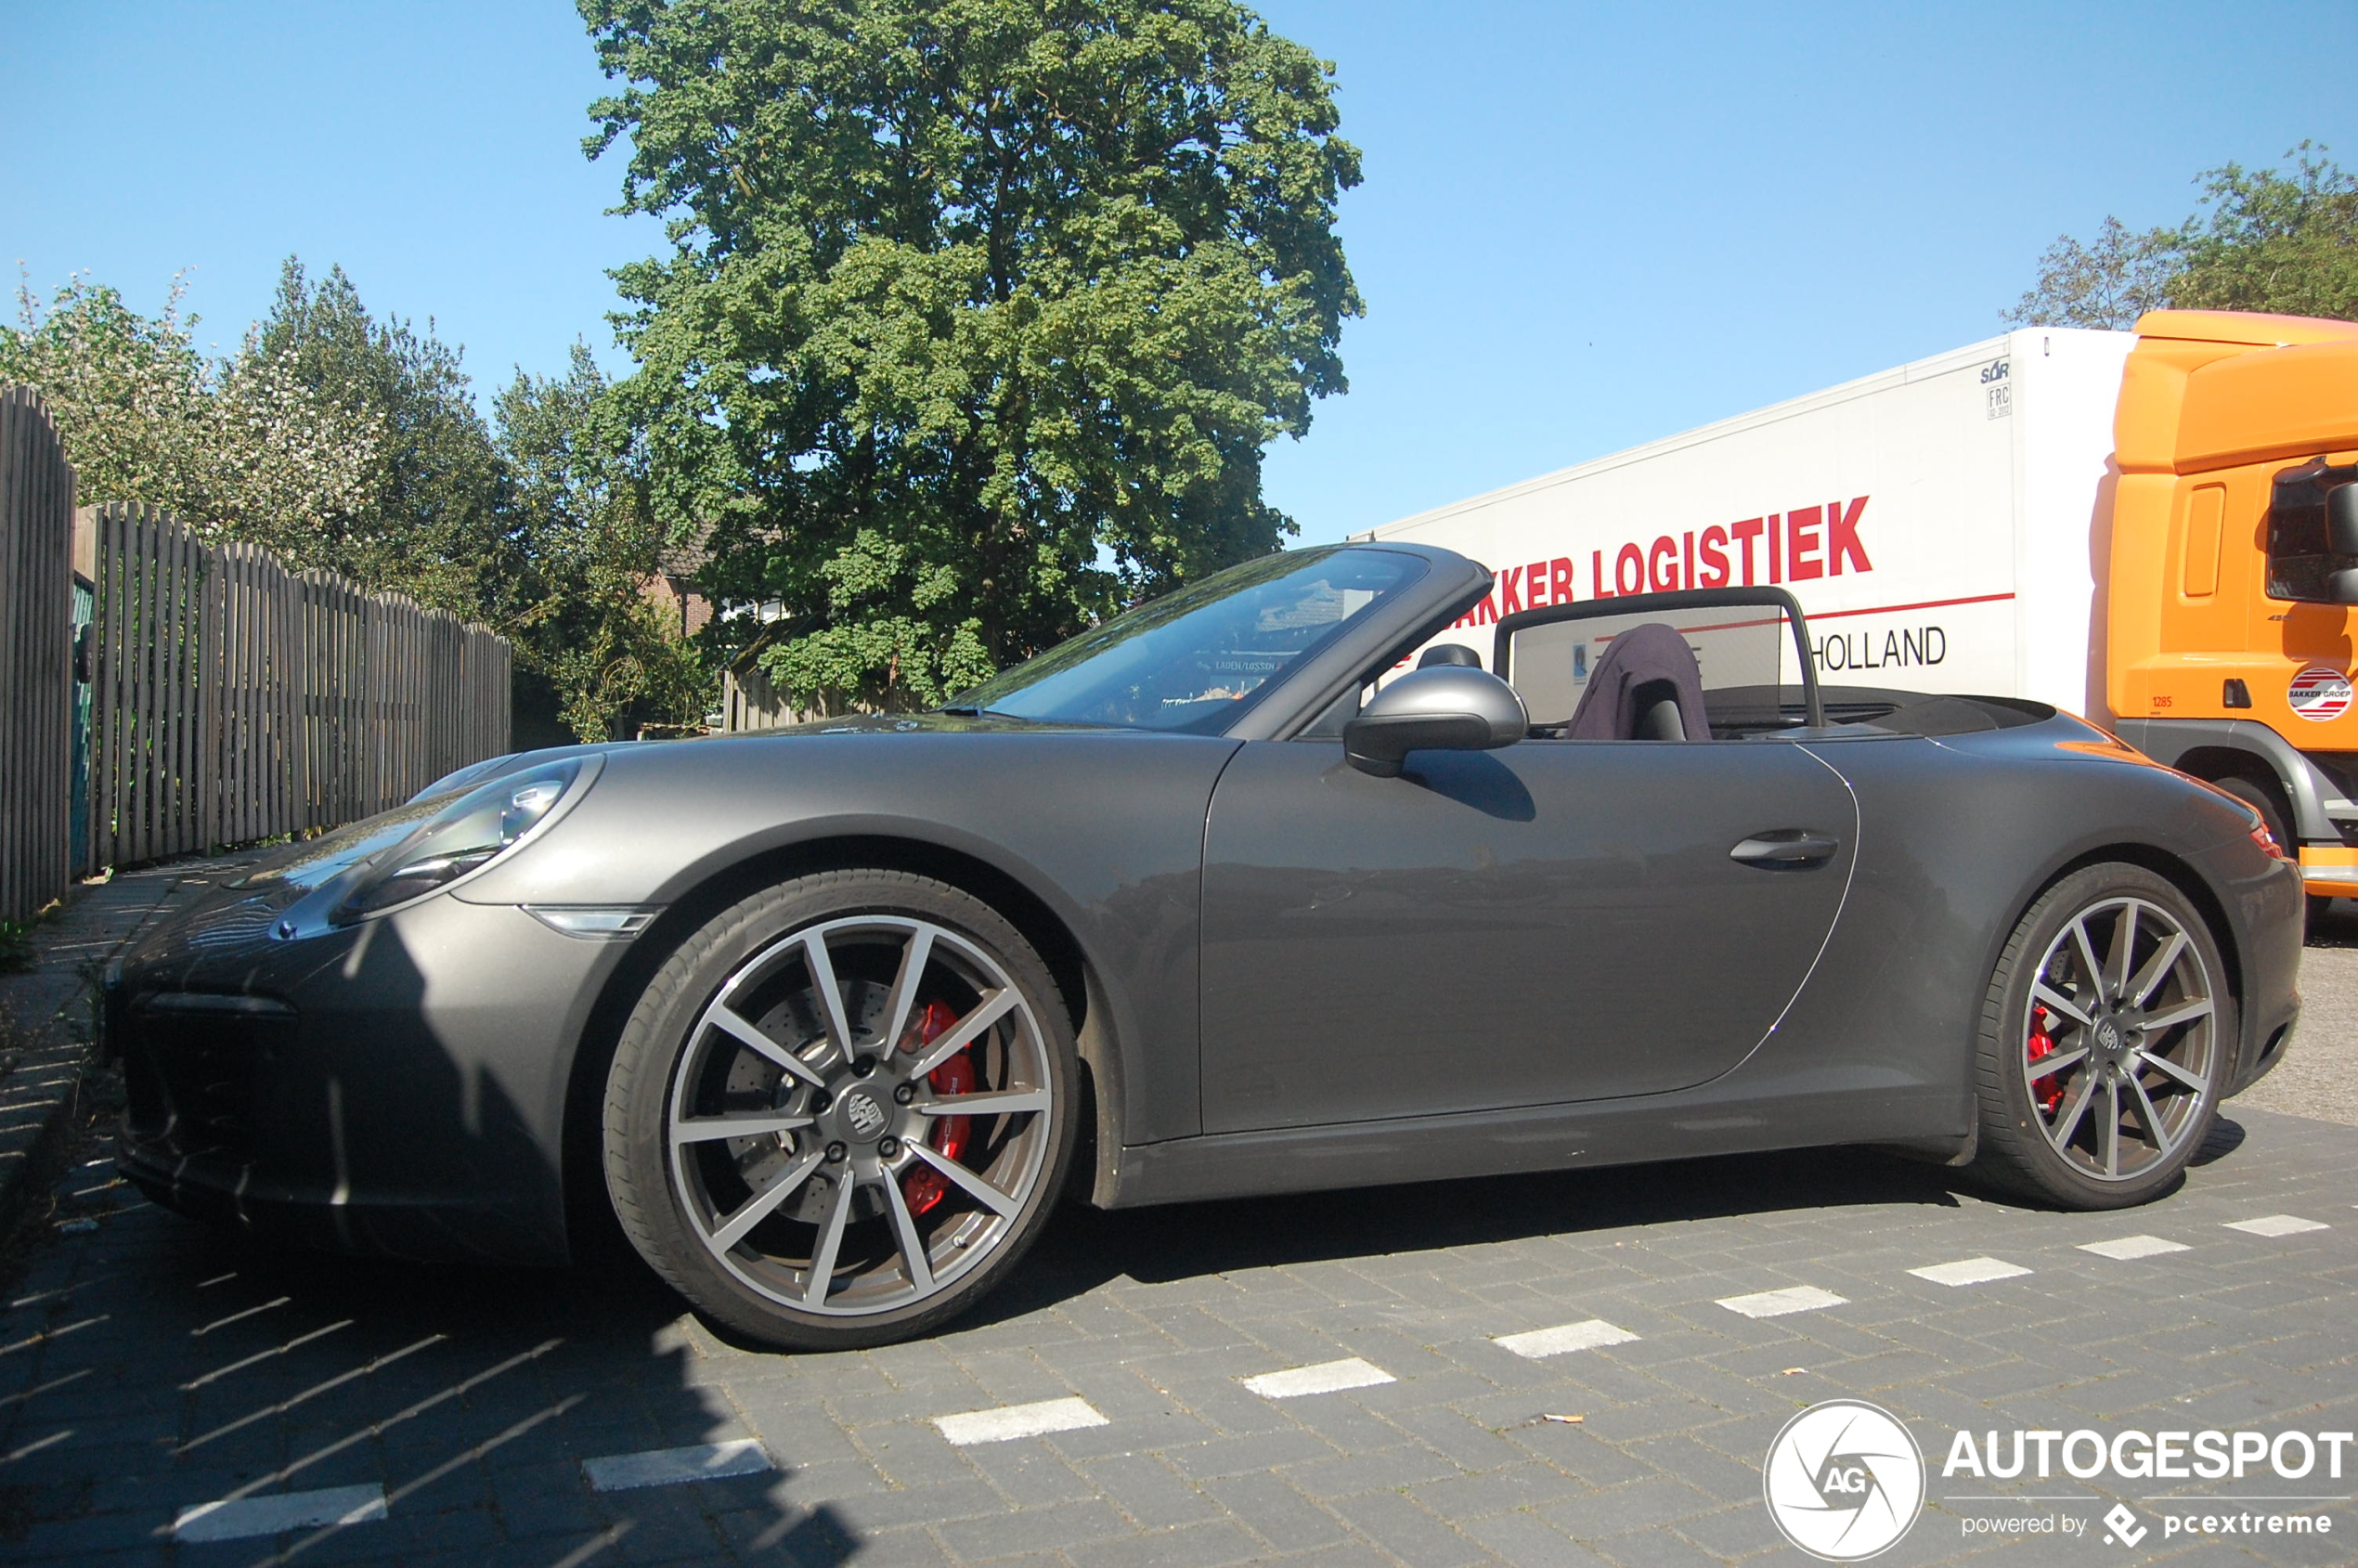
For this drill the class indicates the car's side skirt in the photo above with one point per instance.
(1680, 1126)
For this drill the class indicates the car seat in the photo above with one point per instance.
(1647, 687)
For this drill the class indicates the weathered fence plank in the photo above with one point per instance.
(232, 699)
(36, 675)
(236, 700)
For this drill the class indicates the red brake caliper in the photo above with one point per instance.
(925, 1186)
(2050, 1092)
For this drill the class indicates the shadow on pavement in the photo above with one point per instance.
(1086, 1248)
(2333, 923)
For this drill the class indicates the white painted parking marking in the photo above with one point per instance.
(2277, 1224)
(1595, 1334)
(238, 1317)
(670, 1467)
(2132, 1246)
(238, 1519)
(1777, 1303)
(1326, 1377)
(1009, 1421)
(1969, 1271)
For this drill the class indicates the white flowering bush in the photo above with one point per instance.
(238, 447)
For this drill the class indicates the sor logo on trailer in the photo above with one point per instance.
(2320, 691)
(1998, 393)
(1843, 1479)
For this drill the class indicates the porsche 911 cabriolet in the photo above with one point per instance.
(1266, 886)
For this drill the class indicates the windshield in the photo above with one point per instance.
(1195, 659)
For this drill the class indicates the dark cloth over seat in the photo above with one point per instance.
(1646, 687)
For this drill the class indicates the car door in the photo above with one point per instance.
(1556, 921)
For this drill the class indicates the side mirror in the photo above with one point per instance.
(2342, 520)
(1445, 708)
(2342, 587)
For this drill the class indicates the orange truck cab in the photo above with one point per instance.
(2229, 609)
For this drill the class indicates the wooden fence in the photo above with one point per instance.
(36, 672)
(236, 700)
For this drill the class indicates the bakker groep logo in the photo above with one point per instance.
(1843, 1479)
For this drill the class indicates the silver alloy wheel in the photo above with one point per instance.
(2120, 1038)
(810, 1104)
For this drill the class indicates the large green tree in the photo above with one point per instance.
(2267, 240)
(977, 314)
(578, 612)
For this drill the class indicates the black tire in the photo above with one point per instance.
(2029, 1141)
(828, 1231)
(2268, 799)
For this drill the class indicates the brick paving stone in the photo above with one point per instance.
(902, 1507)
(1408, 1532)
(1031, 1474)
(1275, 1511)
(1741, 1530)
(985, 1536)
(1386, 1470)
(1580, 1452)
(1700, 1465)
(1345, 1423)
(1211, 1544)
(1154, 1496)
(1656, 1548)
(1642, 1506)
(1259, 1452)
(1525, 1540)
(1506, 1490)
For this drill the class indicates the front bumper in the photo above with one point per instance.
(399, 1086)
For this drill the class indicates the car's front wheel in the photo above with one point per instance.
(2104, 1042)
(842, 1110)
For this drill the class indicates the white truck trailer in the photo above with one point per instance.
(1939, 523)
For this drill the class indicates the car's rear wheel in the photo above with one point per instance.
(842, 1110)
(2104, 1039)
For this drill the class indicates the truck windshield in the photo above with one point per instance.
(1196, 659)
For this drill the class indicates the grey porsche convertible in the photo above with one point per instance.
(1266, 886)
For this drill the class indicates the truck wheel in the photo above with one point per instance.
(2268, 800)
(2104, 1042)
(842, 1110)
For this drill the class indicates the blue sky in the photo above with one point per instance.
(1582, 226)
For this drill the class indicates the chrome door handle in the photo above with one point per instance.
(1786, 849)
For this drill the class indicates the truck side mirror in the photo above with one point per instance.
(1443, 707)
(2341, 521)
(2342, 587)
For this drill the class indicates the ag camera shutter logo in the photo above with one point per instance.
(1843, 1479)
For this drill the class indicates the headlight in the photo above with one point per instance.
(463, 837)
